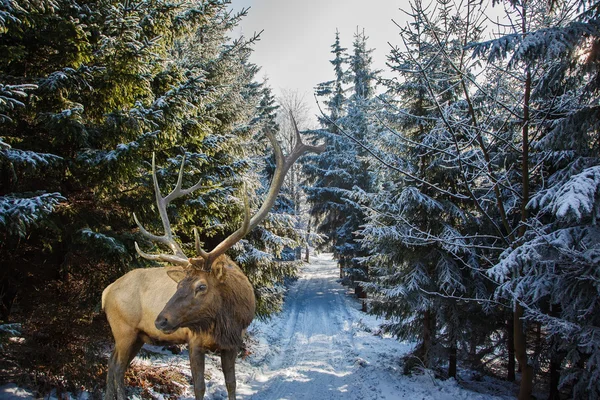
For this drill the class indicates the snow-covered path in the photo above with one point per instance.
(315, 349)
(322, 347)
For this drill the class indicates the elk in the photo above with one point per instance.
(205, 301)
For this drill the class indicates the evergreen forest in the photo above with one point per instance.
(459, 190)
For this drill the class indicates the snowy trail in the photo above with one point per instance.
(322, 347)
(316, 350)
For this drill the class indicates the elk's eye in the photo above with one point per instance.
(201, 288)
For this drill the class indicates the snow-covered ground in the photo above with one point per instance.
(320, 347)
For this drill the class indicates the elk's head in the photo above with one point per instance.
(201, 288)
(199, 296)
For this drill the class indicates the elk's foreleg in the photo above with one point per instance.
(197, 365)
(228, 364)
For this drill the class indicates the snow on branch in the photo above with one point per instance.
(30, 158)
(17, 214)
(548, 43)
(106, 243)
(575, 199)
(9, 95)
(99, 157)
(14, 10)
(540, 261)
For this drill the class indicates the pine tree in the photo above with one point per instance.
(358, 124)
(334, 91)
(501, 145)
(342, 166)
(24, 206)
(547, 272)
(421, 218)
(325, 172)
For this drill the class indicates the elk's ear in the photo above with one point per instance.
(177, 274)
(218, 270)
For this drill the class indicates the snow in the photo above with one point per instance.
(32, 158)
(17, 213)
(577, 197)
(319, 347)
(13, 392)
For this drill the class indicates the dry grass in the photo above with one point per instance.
(165, 380)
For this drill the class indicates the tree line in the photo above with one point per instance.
(461, 189)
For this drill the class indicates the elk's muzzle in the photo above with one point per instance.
(163, 324)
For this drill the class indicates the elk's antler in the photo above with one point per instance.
(283, 164)
(178, 257)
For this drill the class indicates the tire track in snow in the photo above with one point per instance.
(316, 358)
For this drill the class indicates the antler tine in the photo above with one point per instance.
(162, 257)
(199, 249)
(162, 203)
(283, 164)
(300, 147)
(178, 192)
(178, 257)
(175, 192)
(246, 224)
(231, 239)
(296, 130)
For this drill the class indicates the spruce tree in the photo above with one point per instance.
(342, 167)
(420, 217)
(547, 272)
(323, 171)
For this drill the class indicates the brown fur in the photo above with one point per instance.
(210, 320)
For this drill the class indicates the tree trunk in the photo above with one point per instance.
(511, 350)
(526, 387)
(452, 348)
(452, 360)
(360, 292)
(555, 363)
(307, 259)
(538, 347)
(427, 338)
(473, 359)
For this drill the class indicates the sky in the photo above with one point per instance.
(294, 50)
(295, 46)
